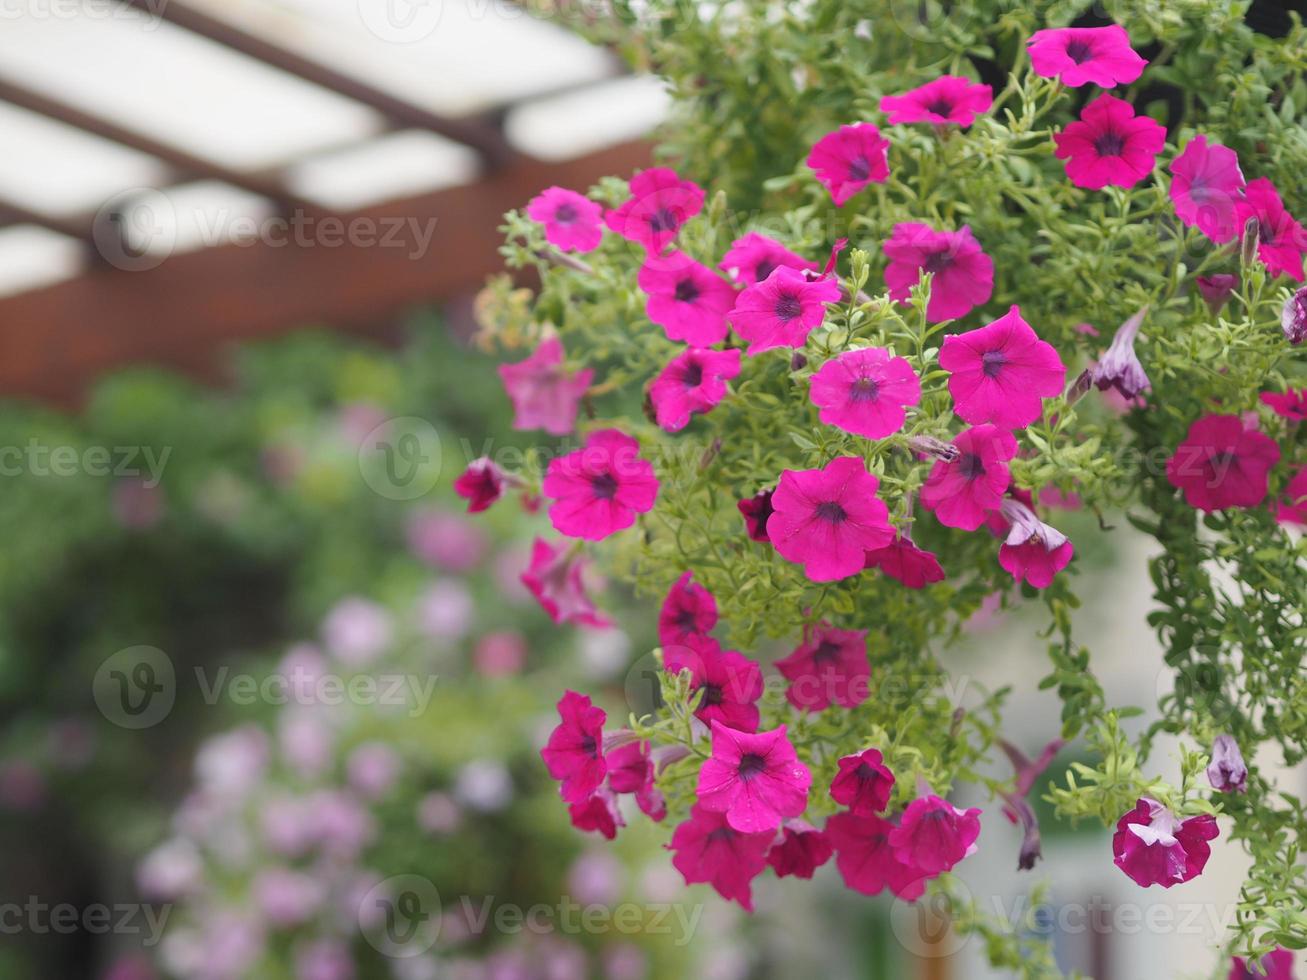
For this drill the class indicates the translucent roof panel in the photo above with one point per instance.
(589, 119)
(33, 257)
(400, 165)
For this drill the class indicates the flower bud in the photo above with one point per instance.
(1216, 290)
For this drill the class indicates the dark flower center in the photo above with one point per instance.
(590, 746)
(751, 763)
(686, 291)
(938, 261)
(991, 362)
(693, 376)
(712, 694)
(864, 390)
(860, 169)
(971, 466)
(940, 107)
(721, 834)
(604, 485)
(685, 620)
(1223, 459)
(788, 306)
(865, 773)
(765, 268)
(1109, 144)
(826, 651)
(664, 219)
(829, 510)
(1079, 51)
(565, 214)
(1265, 233)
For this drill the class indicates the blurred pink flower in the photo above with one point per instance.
(445, 540)
(357, 631)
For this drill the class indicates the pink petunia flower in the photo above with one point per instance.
(707, 849)
(848, 159)
(829, 667)
(572, 221)
(865, 392)
(757, 511)
(687, 299)
(631, 770)
(689, 611)
(729, 684)
(828, 519)
(599, 814)
(1222, 464)
(1109, 144)
(1290, 405)
(544, 395)
(864, 783)
(866, 860)
(1206, 185)
(1034, 552)
(694, 381)
(756, 780)
(1079, 55)
(800, 851)
(481, 484)
(1001, 372)
(659, 206)
(782, 310)
(574, 754)
(1153, 847)
(1216, 290)
(963, 491)
(933, 835)
(1227, 772)
(1292, 507)
(556, 577)
(903, 560)
(948, 99)
(963, 274)
(1293, 318)
(1281, 241)
(1275, 965)
(599, 489)
(754, 257)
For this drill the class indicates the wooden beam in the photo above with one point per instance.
(56, 340)
(488, 141)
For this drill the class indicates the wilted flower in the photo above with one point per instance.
(1294, 317)
(1119, 367)
(1227, 772)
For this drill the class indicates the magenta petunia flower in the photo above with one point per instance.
(963, 491)
(687, 299)
(659, 206)
(574, 754)
(829, 667)
(1153, 847)
(1206, 185)
(481, 484)
(631, 770)
(1227, 772)
(782, 310)
(848, 159)
(933, 835)
(1281, 241)
(1119, 366)
(1109, 144)
(800, 851)
(1034, 552)
(756, 780)
(1079, 55)
(1292, 507)
(688, 612)
(599, 489)
(963, 274)
(948, 99)
(572, 221)
(754, 257)
(693, 382)
(866, 860)
(1001, 372)
(1275, 965)
(729, 683)
(865, 392)
(544, 395)
(903, 560)
(556, 577)
(1216, 290)
(1222, 464)
(1290, 405)
(757, 511)
(598, 814)
(707, 849)
(828, 519)
(864, 783)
